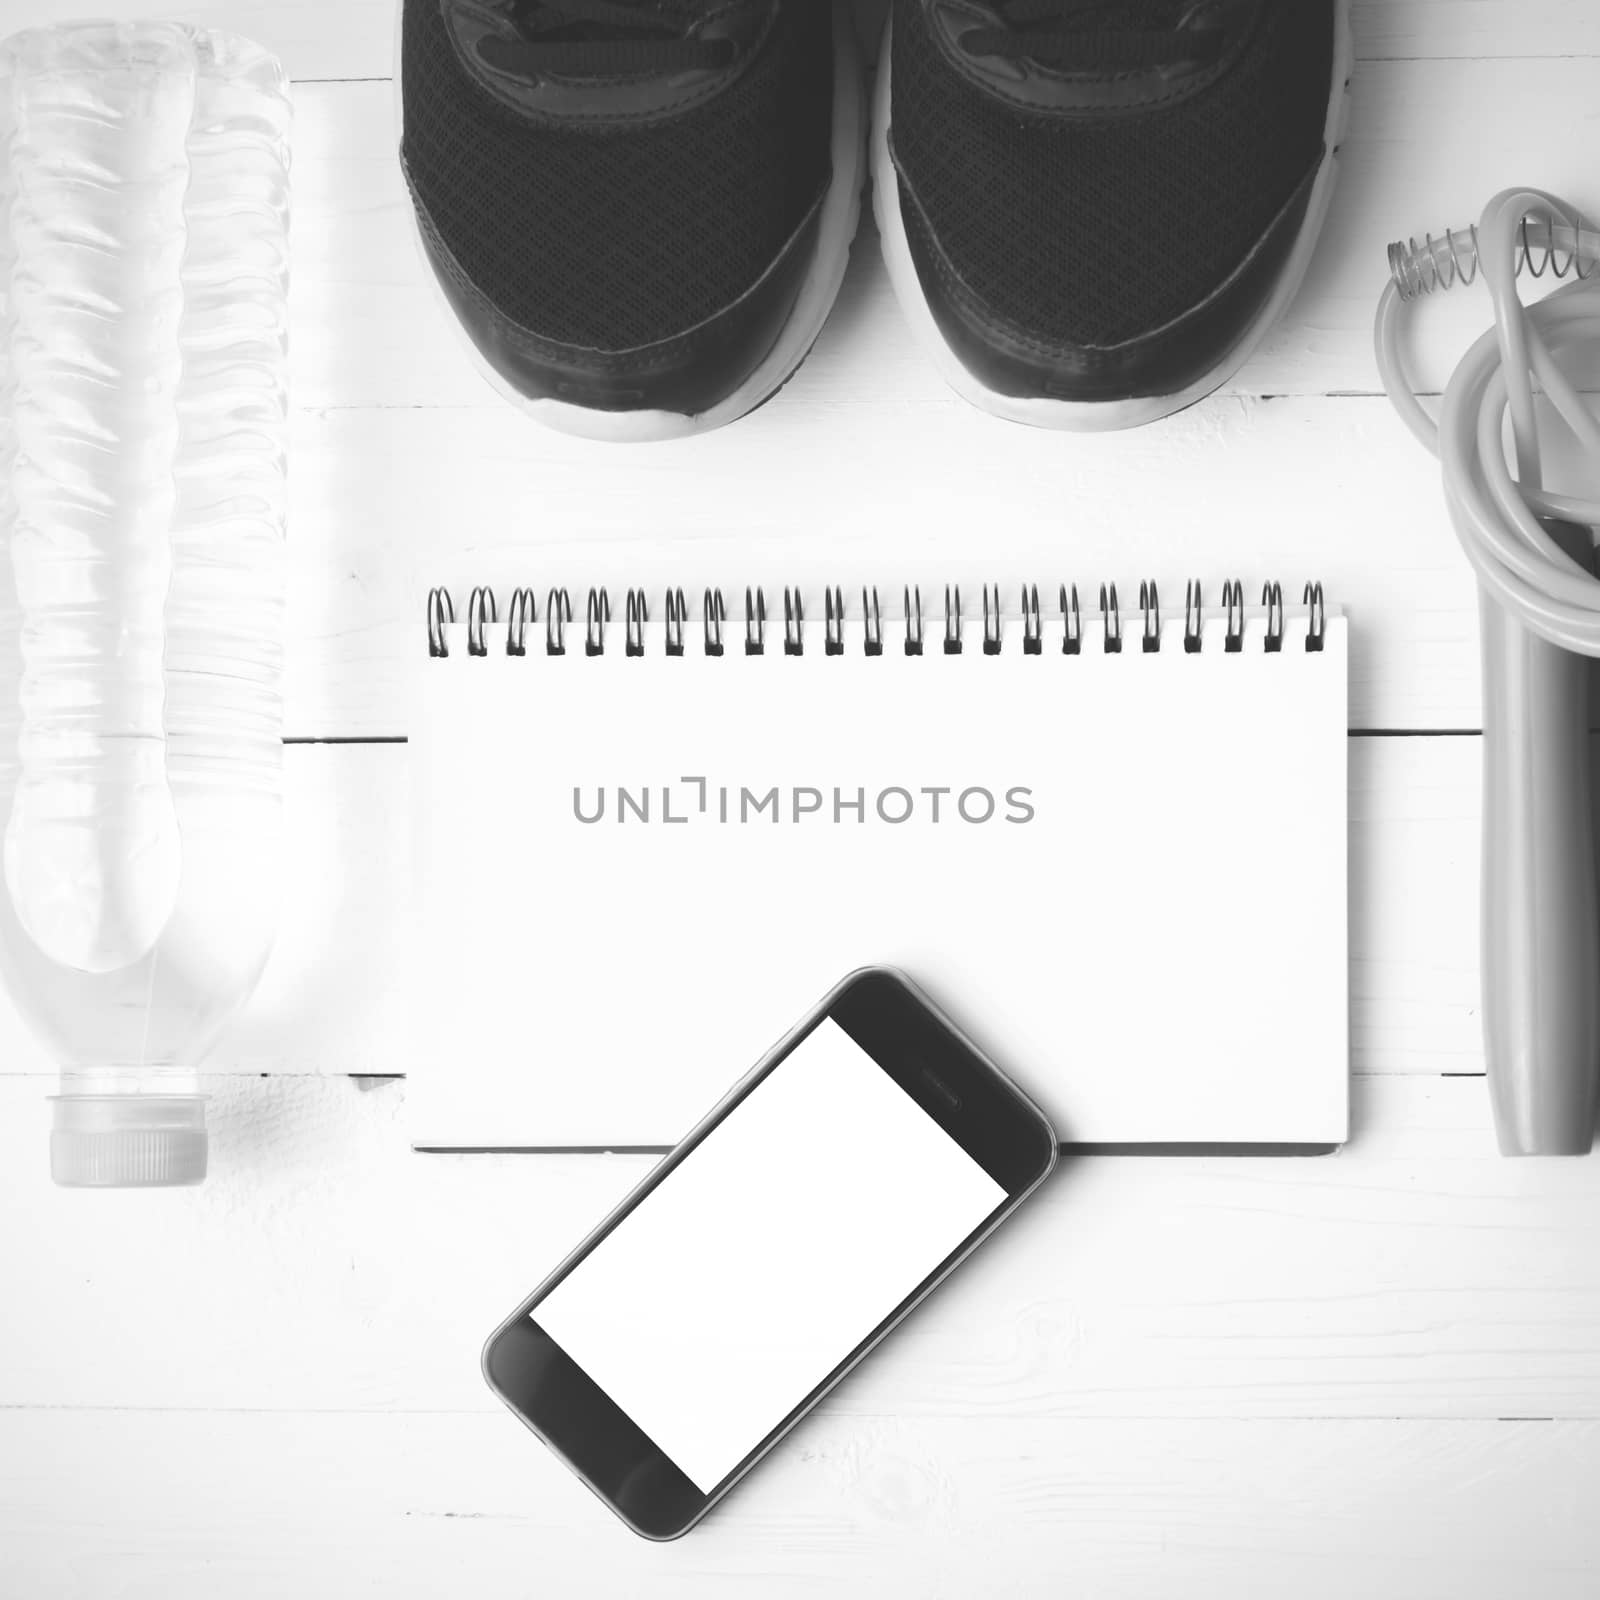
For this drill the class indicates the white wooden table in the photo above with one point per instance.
(1371, 1374)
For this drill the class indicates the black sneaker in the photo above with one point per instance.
(1093, 209)
(639, 210)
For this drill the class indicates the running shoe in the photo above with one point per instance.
(639, 211)
(1093, 210)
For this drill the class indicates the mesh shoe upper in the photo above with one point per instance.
(615, 236)
(1092, 230)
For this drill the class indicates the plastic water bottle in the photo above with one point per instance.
(143, 275)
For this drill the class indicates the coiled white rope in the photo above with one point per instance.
(1497, 514)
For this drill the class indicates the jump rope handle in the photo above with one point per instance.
(1541, 911)
(1541, 922)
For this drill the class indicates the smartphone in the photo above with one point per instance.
(827, 1194)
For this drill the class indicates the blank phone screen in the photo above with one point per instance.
(768, 1255)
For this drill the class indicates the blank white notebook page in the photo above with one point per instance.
(1123, 873)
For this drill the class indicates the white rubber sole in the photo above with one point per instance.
(841, 215)
(1098, 416)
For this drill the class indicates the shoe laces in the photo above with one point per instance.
(608, 38)
(1094, 35)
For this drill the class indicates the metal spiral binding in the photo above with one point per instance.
(1548, 241)
(557, 619)
(521, 616)
(637, 614)
(1233, 599)
(716, 619)
(677, 610)
(833, 604)
(441, 613)
(1032, 621)
(1072, 622)
(1272, 599)
(914, 622)
(872, 622)
(794, 623)
(992, 621)
(1111, 618)
(1150, 605)
(1317, 631)
(481, 614)
(599, 615)
(755, 621)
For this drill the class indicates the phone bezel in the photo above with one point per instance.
(924, 1052)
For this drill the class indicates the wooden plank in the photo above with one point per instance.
(1414, 873)
(333, 1000)
(1429, 143)
(186, 1507)
(324, 1266)
(339, 39)
(831, 481)
(1399, 29)
(397, 447)
(1288, 490)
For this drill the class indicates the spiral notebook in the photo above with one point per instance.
(651, 830)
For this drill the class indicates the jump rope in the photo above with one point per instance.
(1533, 552)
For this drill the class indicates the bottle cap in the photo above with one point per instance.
(128, 1141)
